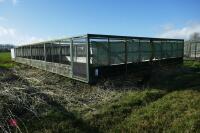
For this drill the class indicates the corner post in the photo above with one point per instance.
(88, 58)
(71, 56)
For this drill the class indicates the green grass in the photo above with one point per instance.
(114, 113)
(5, 60)
(192, 64)
(173, 107)
(178, 111)
(57, 121)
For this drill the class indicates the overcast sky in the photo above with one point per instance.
(23, 21)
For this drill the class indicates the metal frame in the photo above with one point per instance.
(49, 45)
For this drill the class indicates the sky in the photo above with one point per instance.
(25, 21)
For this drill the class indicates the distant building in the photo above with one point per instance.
(192, 49)
(6, 47)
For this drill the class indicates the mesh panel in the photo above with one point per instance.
(133, 51)
(157, 49)
(180, 49)
(146, 50)
(117, 49)
(99, 53)
(198, 50)
(167, 50)
(79, 56)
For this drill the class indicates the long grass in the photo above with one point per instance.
(5, 60)
(171, 105)
(178, 111)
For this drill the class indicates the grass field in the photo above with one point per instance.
(5, 60)
(170, 104)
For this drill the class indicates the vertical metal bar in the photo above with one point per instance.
(24, 51)
(88, 60)
(152, 49)
(139, 55)
(21, 53)
(109, 52)
(31, 55)
(195, 50)
(72, 60)
(36, 52)
(172, 48)
(183, 44)
(161, 49)
(52, 52)
(45, 55)
(126, 55)
(59, 52)
(39, 52)
(189, 53)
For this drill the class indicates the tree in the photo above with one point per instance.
(195, 36)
